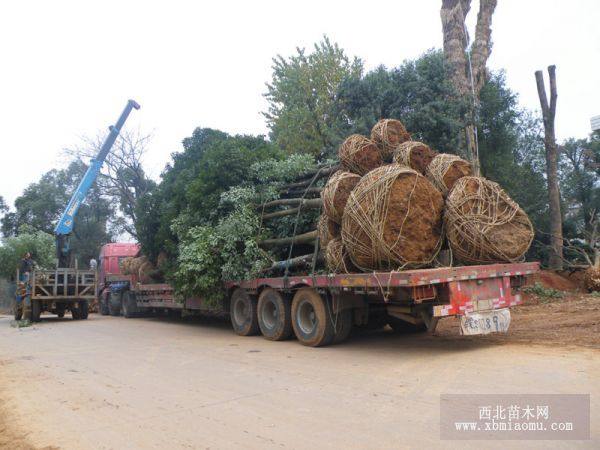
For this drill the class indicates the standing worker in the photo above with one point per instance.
(93, 264)
(23, 295)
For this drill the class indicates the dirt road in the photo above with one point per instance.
(158, 383)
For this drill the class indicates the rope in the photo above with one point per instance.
(359, 154)
(337, 257)
(337, 190)
(387, 134)
(445, 169)
(483, 224)
(367, 219)
(414, 154)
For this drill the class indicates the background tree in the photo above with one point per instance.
(122, 178)
(302, 95)
(38, 243)
(42, 203)
(552, 155)
(467, 67)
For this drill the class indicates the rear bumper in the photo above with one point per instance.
(470, 296)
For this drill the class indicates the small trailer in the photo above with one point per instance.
(57, 291)
(322, 309)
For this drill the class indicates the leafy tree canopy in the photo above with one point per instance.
(38, 243)
(302, 97)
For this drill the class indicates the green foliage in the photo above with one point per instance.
(540, 290)
(38, 243)
(417, 92)
(42, 203)
(191, 186)
(302, 98)
(208, 255)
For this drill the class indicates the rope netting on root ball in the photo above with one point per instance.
(387, 134)
(359, 154)
(484, 225)
(414, 154)
(393, 220)
(327, 230)
(445, 169)
(337, 257)
(591, 280)
(336, 192)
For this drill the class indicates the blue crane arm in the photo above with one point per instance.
(65, 224)
(64, 227)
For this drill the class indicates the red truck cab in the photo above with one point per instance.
(111, 256)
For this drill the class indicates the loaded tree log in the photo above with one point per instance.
(311, 177)
(304, 202)
(312, 190)
(299, 261)
(305, 238)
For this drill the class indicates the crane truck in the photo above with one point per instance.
(67, 288)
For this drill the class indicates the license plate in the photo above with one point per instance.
(485, 322)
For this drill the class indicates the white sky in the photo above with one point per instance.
(69, 66)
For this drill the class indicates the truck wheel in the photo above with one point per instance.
(60, 310)
(310, 318)
(129, 305)
(83, 309)
(274, 315)
(114, 304)
(36, 310)
(342, 325)
(242, 312)
(75, 311)
(104, 299)
(404, 327)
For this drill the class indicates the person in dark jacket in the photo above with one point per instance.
(26, 266)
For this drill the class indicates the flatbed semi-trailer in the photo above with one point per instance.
(321, 309)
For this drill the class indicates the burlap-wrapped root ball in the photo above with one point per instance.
(141, 267)
(359, 154)
(484, 225)
(591, 280)
(327, 230)
(415, 155)
(445, 169)
(387, 134)
(336, 192)
(337, 258)
(393, 220)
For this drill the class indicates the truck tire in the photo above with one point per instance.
(60, 310)
(242, 312)
(114, 304)
(84, 310)
(274, 315)
(311, 319)
(36, 310)
(342, 325)
(404, 327)
(104, 299)
(129, 308)
(75, 311)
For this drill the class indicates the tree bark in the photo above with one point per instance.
(548, 114)
(467, 78)
(310, 202)
(299, 261)
(305, 238)
(313, 203)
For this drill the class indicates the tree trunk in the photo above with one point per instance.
(311, 202)
(548, 113)
(467, 76)
(305, 238)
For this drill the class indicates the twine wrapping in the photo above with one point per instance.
(591, 280)
(335, 193)
(414, 154)
(337, 258)
(359, 154)
(484, 225)
(393, 220)
(327, 230)
(445, 169)
(387, 134)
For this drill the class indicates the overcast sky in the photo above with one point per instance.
(68, 67)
